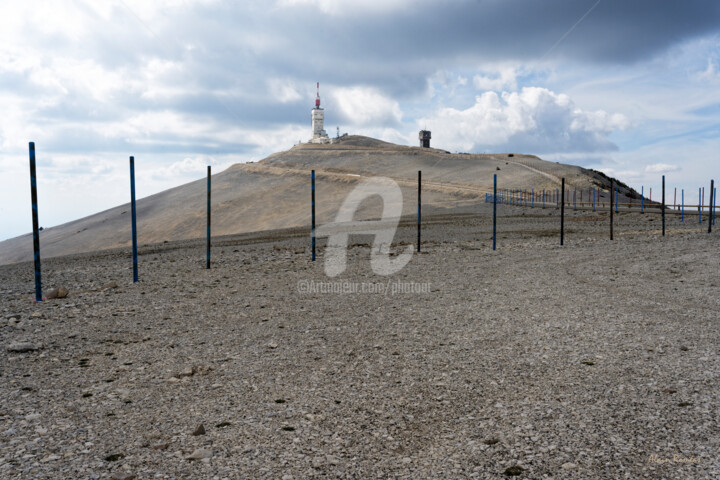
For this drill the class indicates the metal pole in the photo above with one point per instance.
(617, 194)
(418, 213)
(642, 199)
(207, 245)
(699, 207)
(133, 220)
(663, 205)
(612, 187)
(562, 214)
(593, 190)
(712, 188)
(36, 227)
(682, 205)
(494, 208)
(675, 200)
(532, 198)
(714, 206)
(312, 232)
(575, 199)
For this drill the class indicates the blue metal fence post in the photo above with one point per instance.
(35, 222)
(312, 231)
(562, 214)
(207, 243)
(715, 204)
(418, 209)
(133, 212)
(642, 199)
(494, 208)
(616, 199)
(612, 222)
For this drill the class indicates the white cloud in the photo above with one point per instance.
(189, 165)
(443, 82)
(711, 73)
(276, 139)
(364, 106)
(284, 91)
(535, 120)
(628, 176)
(504, 79)
(349, 7)
(661, 168)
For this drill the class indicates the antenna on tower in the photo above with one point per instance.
(317, 98)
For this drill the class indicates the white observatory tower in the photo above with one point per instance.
(319, 135)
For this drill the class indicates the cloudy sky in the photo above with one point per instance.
(630, 87)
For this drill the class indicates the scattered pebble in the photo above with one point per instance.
(123, 476)
(22, 347)
(199, 454)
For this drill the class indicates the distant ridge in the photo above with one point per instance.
(275, 193)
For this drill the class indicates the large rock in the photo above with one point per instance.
(200, 453)
(59, 292)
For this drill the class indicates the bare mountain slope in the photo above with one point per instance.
(275, 193)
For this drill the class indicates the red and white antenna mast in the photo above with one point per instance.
(317, 98)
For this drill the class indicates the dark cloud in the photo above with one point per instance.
(220, 57)
(399, 49)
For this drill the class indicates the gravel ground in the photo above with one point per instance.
(597, 359)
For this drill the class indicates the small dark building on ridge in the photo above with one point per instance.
(425, 138)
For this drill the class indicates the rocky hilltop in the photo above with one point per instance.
(275, 193)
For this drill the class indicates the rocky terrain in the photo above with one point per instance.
(597, 359)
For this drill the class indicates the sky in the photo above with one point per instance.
(628, 87)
